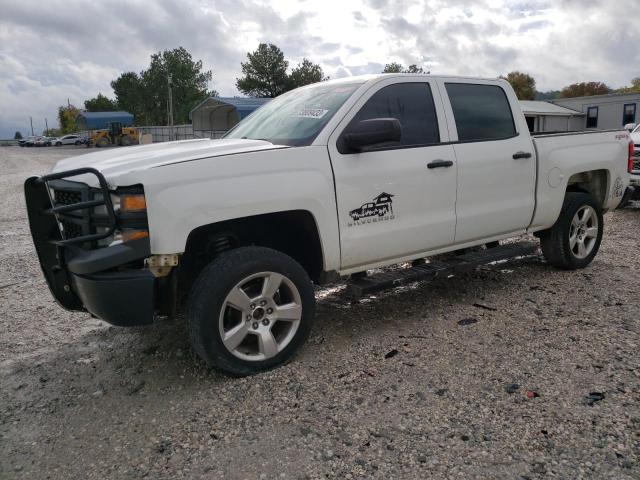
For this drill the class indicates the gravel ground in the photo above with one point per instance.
(486, 375)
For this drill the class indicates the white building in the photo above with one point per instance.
(547, 117)
(605, 112)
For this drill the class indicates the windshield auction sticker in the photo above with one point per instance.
(311, 113)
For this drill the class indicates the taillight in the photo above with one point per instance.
(630, 164)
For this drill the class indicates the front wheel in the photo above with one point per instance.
(250, 310)
(573, 241)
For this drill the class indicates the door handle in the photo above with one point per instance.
(519, 155)
(439, 164)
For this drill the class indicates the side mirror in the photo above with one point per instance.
(371, 133)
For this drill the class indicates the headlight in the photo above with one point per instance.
(130, 209)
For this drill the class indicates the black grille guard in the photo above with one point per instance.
(56, 211)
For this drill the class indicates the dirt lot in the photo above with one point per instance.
(479, 376)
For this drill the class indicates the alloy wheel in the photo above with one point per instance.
(260, 316)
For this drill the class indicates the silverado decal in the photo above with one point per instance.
(378, 210)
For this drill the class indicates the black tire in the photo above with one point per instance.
(555, 241)
(126, 140)
(58, 144)
(207, 298)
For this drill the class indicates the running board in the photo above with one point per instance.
(444, 266)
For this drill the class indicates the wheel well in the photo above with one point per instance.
(292, 232)
(594, 182)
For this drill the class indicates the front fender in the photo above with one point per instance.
(184, 196)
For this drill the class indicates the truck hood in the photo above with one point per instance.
(115, 163)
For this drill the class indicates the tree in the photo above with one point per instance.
(393, 67)
(146, 95)
(304, 74)
(549, 95)
(584, 89)
(188, 84)
(67, 118)
(523, 84)
(17, 136)
(129, 95)
(100, 104)
(633, 88)
(265, 72)
(414, 69)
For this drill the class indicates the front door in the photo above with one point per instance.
(399, 199)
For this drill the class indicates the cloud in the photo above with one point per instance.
(49, 57)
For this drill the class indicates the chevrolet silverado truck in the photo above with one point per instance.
(326, 181)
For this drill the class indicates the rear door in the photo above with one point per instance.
(496, 159)
(391, 202)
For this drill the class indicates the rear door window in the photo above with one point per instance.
(481, 112)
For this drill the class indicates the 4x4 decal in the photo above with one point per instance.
(378, 210)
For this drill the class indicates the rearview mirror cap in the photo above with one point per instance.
(375, 132)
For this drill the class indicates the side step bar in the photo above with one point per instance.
(442, 267)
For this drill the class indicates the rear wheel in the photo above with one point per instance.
(575, 238)
(126, 140)
(250, 310)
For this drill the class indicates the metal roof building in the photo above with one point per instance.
(604, 112)
(100, 120)
(223, 113)
(547, 117)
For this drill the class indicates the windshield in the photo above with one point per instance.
(637, 129)
(295, 118)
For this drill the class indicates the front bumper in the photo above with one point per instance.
(108, 282)
(120, 298)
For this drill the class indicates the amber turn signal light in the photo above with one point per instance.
(133, 203)
(128, 235)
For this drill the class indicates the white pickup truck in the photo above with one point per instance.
(328, 180)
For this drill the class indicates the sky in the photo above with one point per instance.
(69, 50)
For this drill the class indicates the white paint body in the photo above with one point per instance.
(486, 195)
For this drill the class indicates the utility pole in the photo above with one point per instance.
(170, 106)
(46, 125)
(31, 122)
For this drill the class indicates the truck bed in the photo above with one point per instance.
(563, 156)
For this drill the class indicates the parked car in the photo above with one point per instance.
(328, 180)
(31, 142)
(71, 139)
(43, 141)
(23, 142)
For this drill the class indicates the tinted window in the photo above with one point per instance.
(412, 104)
(481, 112)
